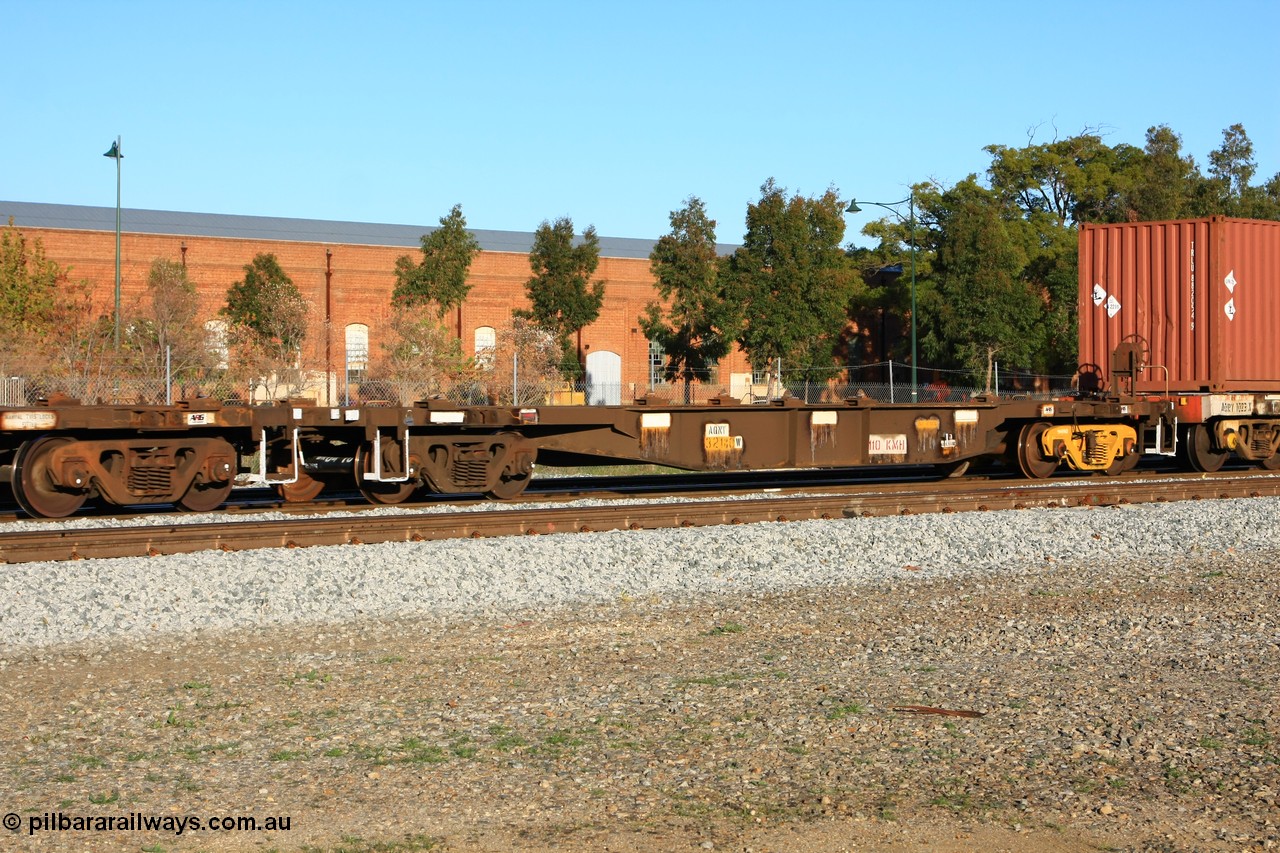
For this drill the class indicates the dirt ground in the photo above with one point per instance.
(1109, 708)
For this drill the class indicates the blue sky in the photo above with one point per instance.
(608, 113)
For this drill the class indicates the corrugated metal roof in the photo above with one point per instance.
(136, 221)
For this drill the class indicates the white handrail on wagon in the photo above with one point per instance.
(262, 477)
(1157, 443)
(1159, 440)
(376, 474)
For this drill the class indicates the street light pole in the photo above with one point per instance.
(117, 155)
(911, 233)
(891, 206)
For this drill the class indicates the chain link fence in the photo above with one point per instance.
(886, 382)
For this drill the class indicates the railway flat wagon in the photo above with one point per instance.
(56, 457)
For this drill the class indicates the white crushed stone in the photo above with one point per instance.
(49, 603)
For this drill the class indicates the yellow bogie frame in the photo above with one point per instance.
(1091, 447)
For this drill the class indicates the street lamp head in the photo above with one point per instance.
(114, 153)
(910, 222)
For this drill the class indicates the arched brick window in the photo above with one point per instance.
(215, 332)
(357, 340)
(486, 343)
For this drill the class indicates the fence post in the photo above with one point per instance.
(891, 380)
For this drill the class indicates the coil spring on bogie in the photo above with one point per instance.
(146, 481)
(1095, 451)
(470, 472)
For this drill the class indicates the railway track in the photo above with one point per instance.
(702, 484)
(66, 542)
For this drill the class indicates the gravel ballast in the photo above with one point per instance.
(44, 603)
(724, 688)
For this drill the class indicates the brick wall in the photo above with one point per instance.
(360, 285)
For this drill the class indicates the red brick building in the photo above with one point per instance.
(346, 270)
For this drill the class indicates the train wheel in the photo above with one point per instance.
(33, 487)
(1200, 452)
(508, 488)
(205, 497)
(392, 463)
(1124, 463)
(1116, 468)
(515, 477)
(1271, 463)
(301, 490)
(1031, 459)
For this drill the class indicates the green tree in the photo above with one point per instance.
(697, 327)
(1269, 199)
(1229, 189)
(886, 299)
(1165, 178)
(49, 329)
(441, 276)
(28, 285)
(268, 322)
(1060, 182)
(81, 358)
(1041, 193)
(987, 311)
(1036, 195)
(563, 297)
(268, 304)
(419, 356)
(1051, 272)
(169, 322)
(524, 367)
(1232, 167)
(791, 279)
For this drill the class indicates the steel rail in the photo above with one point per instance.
(59, 542)
(551, 489)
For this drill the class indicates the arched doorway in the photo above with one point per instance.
(604, 378)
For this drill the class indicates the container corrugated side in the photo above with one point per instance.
(1203, 294)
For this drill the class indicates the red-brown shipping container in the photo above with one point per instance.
(1203, 294)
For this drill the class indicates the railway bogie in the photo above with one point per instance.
(1110, 448)
(54, 474)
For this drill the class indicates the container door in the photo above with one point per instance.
(1144, 280)
(1202, 294)
(1244, 298)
